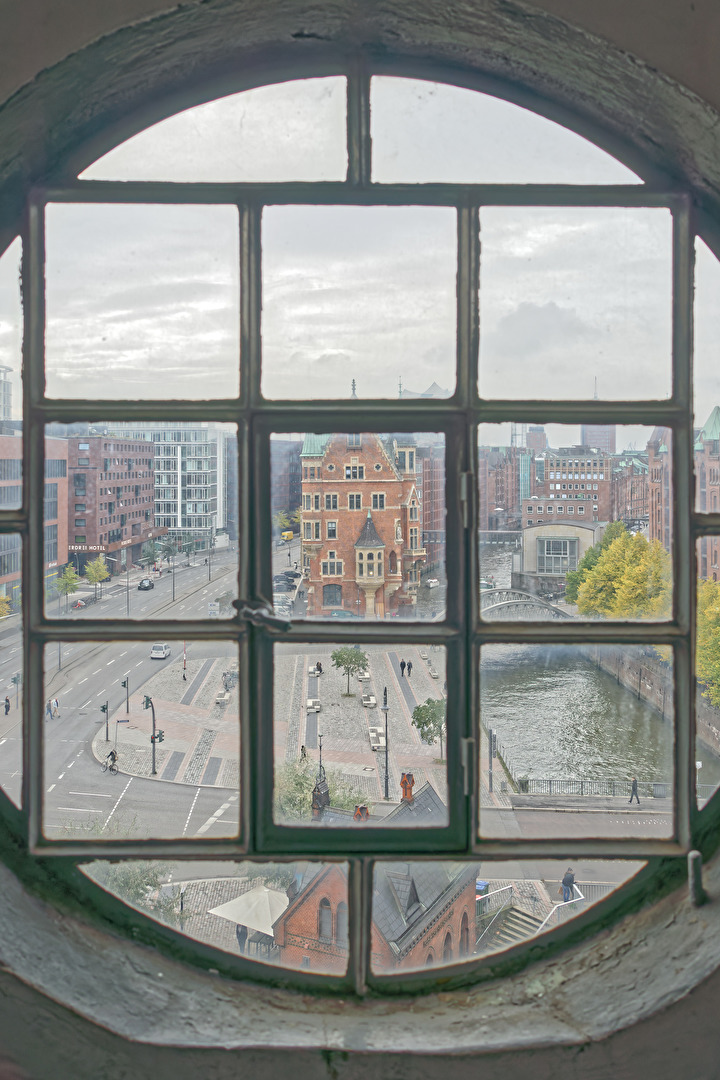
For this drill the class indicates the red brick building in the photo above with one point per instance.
(361, 526)
(659, 450)
(578, 476)
(54, 509)
(631, 489)
(423, 914)
(111, 508)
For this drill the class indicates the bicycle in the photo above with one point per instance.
(111, 765)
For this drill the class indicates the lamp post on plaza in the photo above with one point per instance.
(384, 708)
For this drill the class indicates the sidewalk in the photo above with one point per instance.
(201, 735)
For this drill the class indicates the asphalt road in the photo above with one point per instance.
(79, 796)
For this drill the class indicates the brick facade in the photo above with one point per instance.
(353, 486)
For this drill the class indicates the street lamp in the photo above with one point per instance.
(384, 708)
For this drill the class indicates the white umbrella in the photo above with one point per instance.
(257, 909)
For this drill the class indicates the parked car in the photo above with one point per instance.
(338, 613)
(160, 651)
(146, 583)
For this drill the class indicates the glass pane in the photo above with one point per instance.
(575, 522)
(287, 131)
(707, 704)
(707, 392)
(11, 328)
(142, 301)
(426, 132)
(358, 525)
(293, 915)
(344, 759)
(573, 729)
(11, 666)
(358, 301)
(431, 914)
(567, 295)
(106, 699)
(141, 519)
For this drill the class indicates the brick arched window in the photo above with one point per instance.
(325, 920)
(341, 924)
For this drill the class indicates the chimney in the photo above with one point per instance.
(407, 783)
(361, 813)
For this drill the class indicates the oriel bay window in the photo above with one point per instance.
(373, 765)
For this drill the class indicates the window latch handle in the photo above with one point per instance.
(468, 761)
(261, 615)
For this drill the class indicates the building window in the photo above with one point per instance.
(331, 502)
(332, 596)
(306, 502)
(332, 568)
(341, 924)
(332, 529)
(325, 920)
(413, 539)
(354, 502)
(354, 472)
(378, 502)
(556, 556)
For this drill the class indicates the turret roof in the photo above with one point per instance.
(369, 538)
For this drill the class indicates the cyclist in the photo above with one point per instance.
(112, 757)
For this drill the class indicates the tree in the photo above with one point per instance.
(97, 571)
(429, 719)
(281, 521)
(350, 661)
(296, 516)
(5, 606)
(293, 786)
(150, 551)
(67, 582)
(707, 660)
(575, 578)
(630, 580)
(168, 547)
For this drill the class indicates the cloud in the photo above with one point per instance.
(531, 329)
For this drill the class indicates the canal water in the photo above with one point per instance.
(562, 718)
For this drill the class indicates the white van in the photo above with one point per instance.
(160, 651)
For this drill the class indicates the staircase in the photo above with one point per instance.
(514, 925)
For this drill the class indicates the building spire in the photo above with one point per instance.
(400, 386)
(354, 391)
(595, 394)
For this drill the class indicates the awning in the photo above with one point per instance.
(257, 909)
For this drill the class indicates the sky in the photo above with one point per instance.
(144, 301)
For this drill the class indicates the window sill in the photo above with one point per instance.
(582, 995)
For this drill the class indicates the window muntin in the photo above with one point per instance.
(462, 619)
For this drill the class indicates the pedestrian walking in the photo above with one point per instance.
(55, 707)
(318, 667)
(7, 705)
(241, 933)
(634, 791)
(303, 753)
(409, 668)
(48, 710)
(402, 668)
(567, 885)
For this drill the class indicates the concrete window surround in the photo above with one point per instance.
(635, 999)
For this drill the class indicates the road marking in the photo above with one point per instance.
(124, 653)
(50, 788)
(140, 664)
(96, 672)
(92, 794)
(109, 663)
(71, 764)
(116, 804)
(101, 693)
(79, 809)
(187, 822)
(86, 703)
(61, 776)
(83, 680)
(114, 681)
(2, 741)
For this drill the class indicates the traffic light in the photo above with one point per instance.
(147, 702)
(104, 708)
(160, 736)
(124, 684)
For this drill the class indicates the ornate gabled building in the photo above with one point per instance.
(361, 524)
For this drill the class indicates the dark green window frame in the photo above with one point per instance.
(463, 633)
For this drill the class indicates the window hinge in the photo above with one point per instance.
(465, 489)
(261, 615)
(467, 747)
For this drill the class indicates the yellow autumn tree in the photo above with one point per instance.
(707, 659)
(632, 579)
